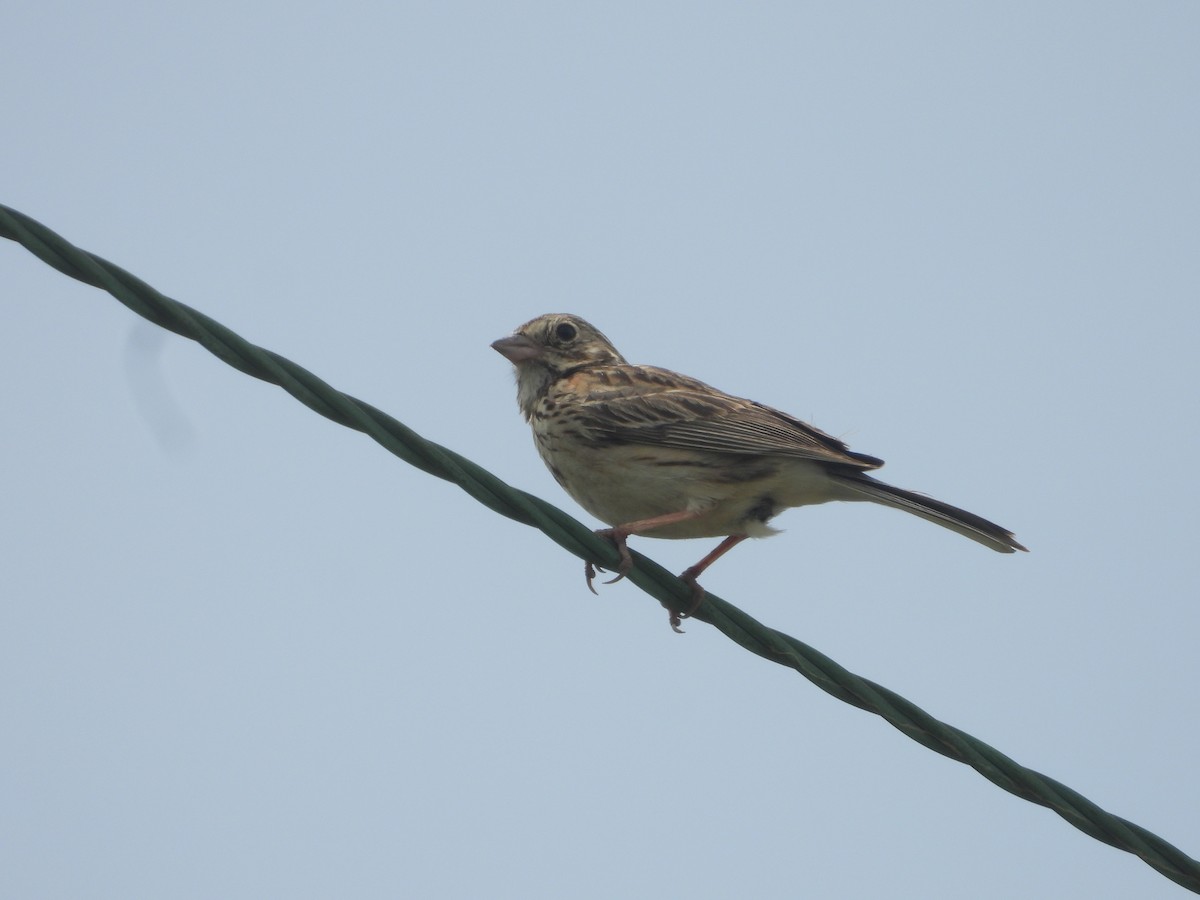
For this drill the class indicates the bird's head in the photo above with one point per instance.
(549, 347)
(559, 343)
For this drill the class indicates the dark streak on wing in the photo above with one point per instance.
(666, 409)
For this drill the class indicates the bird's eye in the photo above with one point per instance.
(566, 332)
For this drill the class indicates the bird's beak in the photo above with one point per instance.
(517, 348)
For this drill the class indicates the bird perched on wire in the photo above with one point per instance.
(653, 452)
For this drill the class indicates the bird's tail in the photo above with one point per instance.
(863, 487)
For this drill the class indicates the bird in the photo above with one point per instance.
(654, 453)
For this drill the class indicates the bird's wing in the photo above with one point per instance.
(646, 405)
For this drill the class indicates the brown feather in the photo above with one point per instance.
(647, 405)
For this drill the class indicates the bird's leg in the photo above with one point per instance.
(690, 574)
(618, 533)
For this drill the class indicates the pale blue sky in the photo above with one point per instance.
(246, 653)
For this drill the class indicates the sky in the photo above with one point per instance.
(244, 652)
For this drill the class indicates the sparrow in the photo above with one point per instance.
(653, 452)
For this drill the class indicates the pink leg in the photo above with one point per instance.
(691, 573)
(619, 533)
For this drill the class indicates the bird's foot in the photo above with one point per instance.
(617, 536)
(688, 576)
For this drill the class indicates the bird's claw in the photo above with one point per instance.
(623, 567)
(697, 598)
(626, 564)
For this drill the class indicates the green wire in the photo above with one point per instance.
(582, 542)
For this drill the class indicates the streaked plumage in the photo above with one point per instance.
(650, 451)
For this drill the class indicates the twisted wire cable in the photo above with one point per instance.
(578, 539)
